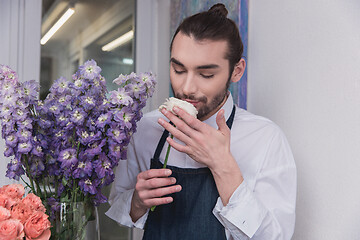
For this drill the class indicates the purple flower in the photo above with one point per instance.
(88, 102)
(14, 169)
(136, 89)
(54, 207)
(124, 117)
(44, 123)
(11, 140)
(36, 166)
(20, 114)
(99, 198)
(62, 120)
(83, 170)
(31, 89)
(89, 70)
(88, 186)
(37, 151)
(6, 111)
(64, 100)
(80, 85)
(117, 135)
(95, 148)
(103, 166)
(24, 135)
(77, 135)
(26, 124)
(125, 79)
(61, 85)
(9, 151)
(9, 100)
(54, 108)
(115, 149)
(67, 158)
(78, 116)
(7, 74)
(7, 88)
(120, 97)
(103, 119)
(84, 136)
(24, 147)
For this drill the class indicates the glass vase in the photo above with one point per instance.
(75, 220)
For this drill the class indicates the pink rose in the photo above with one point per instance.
(37, 227)
(15, 191)
(3, 200)
(7, 202)
(4, 214)
(21, 211)
(11, 229)
(34, 202)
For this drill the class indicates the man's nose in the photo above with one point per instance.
(189, 86)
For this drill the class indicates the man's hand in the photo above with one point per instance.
(206, 145)
(203, 143)
(150, 188)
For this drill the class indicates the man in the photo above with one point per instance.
(231, 174)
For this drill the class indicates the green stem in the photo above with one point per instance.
(25, 182)
(39, 193)
(27, 173)
(167, 153)
(44, 185)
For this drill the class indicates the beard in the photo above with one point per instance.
(208, 106)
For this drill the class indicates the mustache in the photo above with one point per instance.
(191, 97)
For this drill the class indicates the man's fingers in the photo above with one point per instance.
(221, 122)
(157, 201)
(190, 120)
(158, 182)
(153, 173)
(159, 192)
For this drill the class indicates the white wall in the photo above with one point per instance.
(304, 74)
(20, 22)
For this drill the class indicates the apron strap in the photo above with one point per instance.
(165, 134)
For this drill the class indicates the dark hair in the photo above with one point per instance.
(214, 25)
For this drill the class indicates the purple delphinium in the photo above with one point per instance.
(90, 69)
(78, 116)
(102, 120)
(83, 170)
(68, 158)
(103, 166)
(120, 97)
(77, 135)
(24, 147)
(14, 169)
(88, 186)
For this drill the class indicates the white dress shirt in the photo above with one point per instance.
(262, 207)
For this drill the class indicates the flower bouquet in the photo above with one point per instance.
(68, 144)
(22, 217)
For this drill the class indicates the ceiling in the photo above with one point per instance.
(86, 11)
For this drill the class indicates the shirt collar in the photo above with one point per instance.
(228, 105)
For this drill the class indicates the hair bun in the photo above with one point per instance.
(219, 9)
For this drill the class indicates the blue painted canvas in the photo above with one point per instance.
(238, 12)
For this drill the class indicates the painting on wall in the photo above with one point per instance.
(238, 12)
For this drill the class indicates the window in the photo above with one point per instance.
(93, 25)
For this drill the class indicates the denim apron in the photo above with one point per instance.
(190, 215)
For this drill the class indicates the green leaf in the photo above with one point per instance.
(64, 182)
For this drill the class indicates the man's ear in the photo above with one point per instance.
(238, 71)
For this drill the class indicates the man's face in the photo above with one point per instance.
(199, 73)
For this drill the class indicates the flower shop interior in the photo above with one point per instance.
(302, 73)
